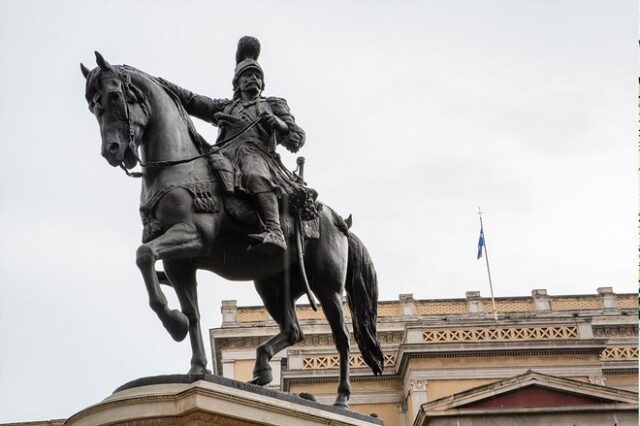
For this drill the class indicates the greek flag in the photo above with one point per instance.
(480, 243)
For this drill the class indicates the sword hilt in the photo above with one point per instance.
(300, 169)
(300, 163)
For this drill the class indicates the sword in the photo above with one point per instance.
(300, 240)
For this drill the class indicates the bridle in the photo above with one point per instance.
(125, 80)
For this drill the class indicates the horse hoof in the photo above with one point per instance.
(260, 381)
(261, 376)
(255, 381)
(197, 371)
(341, 402)
(177, 324)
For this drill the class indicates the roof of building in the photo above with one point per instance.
(472, 304)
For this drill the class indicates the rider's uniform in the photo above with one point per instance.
(249, 143)
(252, 153)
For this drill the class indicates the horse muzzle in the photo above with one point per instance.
(116, 154)
(129, 159)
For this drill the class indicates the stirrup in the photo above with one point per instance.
(259, 237)
(270, 241)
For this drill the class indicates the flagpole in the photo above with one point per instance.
(486, 258)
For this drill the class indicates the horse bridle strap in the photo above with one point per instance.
(125, 79)
(215, 148)
(168, 163)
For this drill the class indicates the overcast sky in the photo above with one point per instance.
(416, 113)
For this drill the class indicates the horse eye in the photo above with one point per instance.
(99, 111)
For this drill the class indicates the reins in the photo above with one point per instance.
(168, 163)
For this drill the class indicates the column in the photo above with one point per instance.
(415, 395)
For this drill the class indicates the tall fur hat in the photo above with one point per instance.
(247, 58)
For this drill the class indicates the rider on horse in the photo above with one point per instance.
(250, 128)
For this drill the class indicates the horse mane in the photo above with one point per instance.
(135, 95)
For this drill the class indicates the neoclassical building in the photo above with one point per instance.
(552, 360)
(566, 349)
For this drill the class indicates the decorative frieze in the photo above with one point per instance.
(417, 385)
(615, 331)
(391, 338)
(252, 315)
(499, 334)
(320, 362)
(406, 306)
(619, 353)
(510, 305)
(389, 310)
(450, 307)
(627, 301)
(575, 304)
(251, 342)
(240, 342)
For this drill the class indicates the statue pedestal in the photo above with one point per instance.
(209, 400)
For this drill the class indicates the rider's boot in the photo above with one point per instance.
(272, 238)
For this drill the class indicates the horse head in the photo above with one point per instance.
(120, 108)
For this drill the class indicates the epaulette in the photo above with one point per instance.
(278, 105)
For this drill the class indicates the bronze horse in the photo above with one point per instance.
(135, 112)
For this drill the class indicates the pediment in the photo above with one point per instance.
(533, 390)
(532, 395)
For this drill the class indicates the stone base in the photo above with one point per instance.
(209, 400)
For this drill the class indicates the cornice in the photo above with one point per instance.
(489, 349)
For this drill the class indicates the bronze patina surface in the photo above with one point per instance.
(198, 203)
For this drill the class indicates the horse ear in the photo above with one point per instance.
(102, 63)
(85, 70)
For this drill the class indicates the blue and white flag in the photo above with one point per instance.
(480, 243)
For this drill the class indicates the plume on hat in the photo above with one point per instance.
(248, 48)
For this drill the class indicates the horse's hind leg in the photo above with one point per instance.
(332, 307)
(328, 266)
(182, 275)
(282, 308)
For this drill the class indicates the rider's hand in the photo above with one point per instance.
(275, 123)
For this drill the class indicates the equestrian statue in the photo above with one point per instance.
(232, 208)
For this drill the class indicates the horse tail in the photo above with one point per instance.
(362, 296)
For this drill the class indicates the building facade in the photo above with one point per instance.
(569, 359)
(434, 349)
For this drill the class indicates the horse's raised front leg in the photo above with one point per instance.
(281, 307)
(182, 274)
(182, 240)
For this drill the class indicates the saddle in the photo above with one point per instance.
(299, 204)
(244, 214)
(239, 207)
